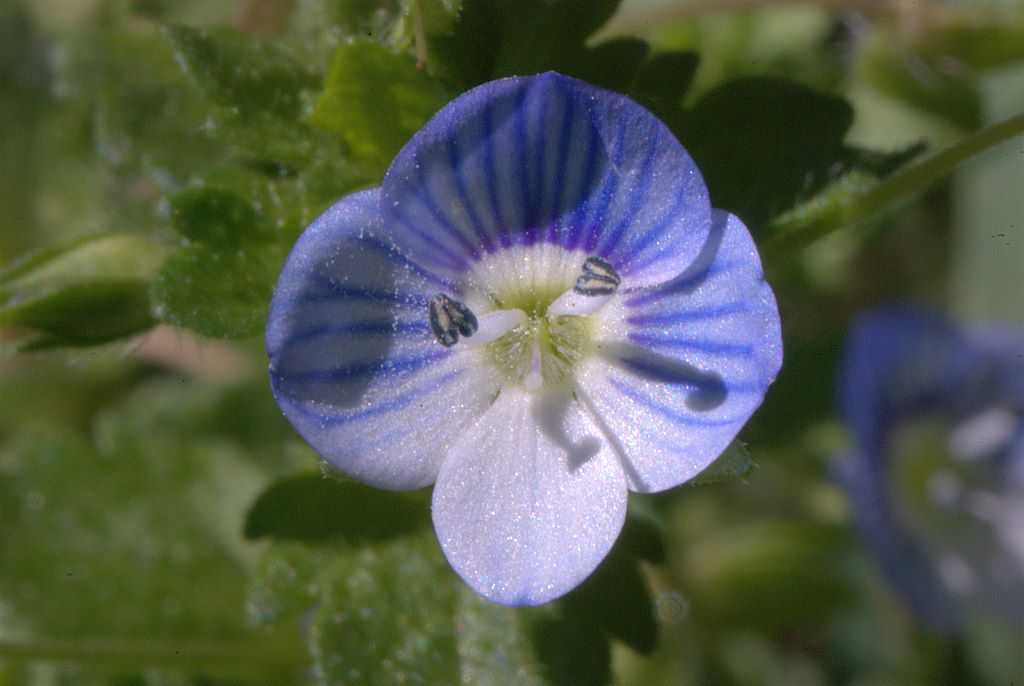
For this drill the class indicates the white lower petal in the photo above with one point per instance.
(529, 500)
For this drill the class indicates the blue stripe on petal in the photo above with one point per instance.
(349, 343)
(696, 359)
(669, 318)
(545, 158)
(708, 347)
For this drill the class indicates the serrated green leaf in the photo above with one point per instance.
(312, 507)
(238, 70)
(216, 216)
(735, 463)
(663, 80)
(749, 172)
(612, 64)
(219, 293)
(88, 290)
(494, 646)
(117, 536)
(376, 99)
(388, 618)
(494, 38)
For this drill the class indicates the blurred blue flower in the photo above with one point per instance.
(937, 473)
(538, 310)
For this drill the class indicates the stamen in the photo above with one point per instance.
(594, 288)
(534, 379)
(494, 325)
(450, 318)
(598, 278)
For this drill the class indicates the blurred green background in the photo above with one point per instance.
(160, 522)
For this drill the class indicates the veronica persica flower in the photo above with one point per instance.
(537, 311)
(937, 472)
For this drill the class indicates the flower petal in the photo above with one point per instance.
(944, 518)
(353, 363)
(680, 368)
(547, 158)
(530, 499)
(897, 359)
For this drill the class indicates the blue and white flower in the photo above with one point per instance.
(937, 473)
(537, 311)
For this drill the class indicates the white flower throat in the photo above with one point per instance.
(530, 311)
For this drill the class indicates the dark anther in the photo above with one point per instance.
(598, 278)
(450, 318)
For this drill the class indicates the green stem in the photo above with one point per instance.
(918, 176)
(280, 650)
(882, 195)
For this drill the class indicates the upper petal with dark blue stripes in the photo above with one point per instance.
(552, 159)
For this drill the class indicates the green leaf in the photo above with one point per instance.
(239, 71)
(494, 644)
(613, 64)
(376, 99)
(394, 612)
(763, 143)
(494, 38)
(439, 16)
(572, 652)
(216, 216)
(121, 535)
(856, 198)
(388, 618)
(886, 65)
(663, 80)
(735, 463)
(88, 290)
(224, 294)
(615, 600)
(313, 507)
(767, 574)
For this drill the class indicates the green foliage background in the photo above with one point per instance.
(160, 523)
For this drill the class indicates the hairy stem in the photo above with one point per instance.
(865, 203)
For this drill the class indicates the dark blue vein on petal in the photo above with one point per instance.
(388, 368)
(450, 259)
(522, 148)
(460, 188)
(339, 292)
(637, 194)
(596, 221)
(670, 411)
(340, 417)
(395, 329)
(641, 244)
(492, 175)
(554, 211)
(425, 196)
(648, 296)
(570, 238)
(660, 318)
(725, 348)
